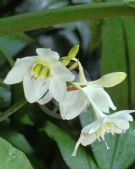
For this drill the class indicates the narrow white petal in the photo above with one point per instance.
(81, 76)
(48, 53)
(125, 111)
(109, 80)
(73, 104)
(124, 114)
(34, 89)
(16, 74)
(58, 88)
(46, 98)
(77, 145)
(121, 115)
(63, 72)
(101, 99)
(111, 104)
(85, 139)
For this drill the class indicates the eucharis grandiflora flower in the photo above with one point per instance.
(43, 76)
(116, 123)
(86, 92)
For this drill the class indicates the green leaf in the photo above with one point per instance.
(114, 58)
(125, 149)
(19, 141)
(129, 29)
(16, 139)
(5, 97)
(7, 56)
(66, 144)
(13, 44)
(12, 109)
(131, 3)
(11, 158)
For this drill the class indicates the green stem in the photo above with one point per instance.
(7, 56)
(45, 18)
(12, 109)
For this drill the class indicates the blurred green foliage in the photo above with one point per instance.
(106, 45)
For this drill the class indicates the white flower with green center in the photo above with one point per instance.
(117, 122)
(76, 101)
(43, 76)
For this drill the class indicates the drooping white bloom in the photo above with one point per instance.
(43, 76)
(115, 123)
(76, 101)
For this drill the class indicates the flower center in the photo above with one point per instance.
(105, 128)
(40, 71)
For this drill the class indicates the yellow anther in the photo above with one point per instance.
(37, 69)
(45, 72)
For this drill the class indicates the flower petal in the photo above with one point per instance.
(89, 139)
(109, 80)
(63, 72)
(93, 127)
(46, 98)
(101, 99)
(16, 74)
(34, 88)
(121, 124)
(48, 53)
(81, 76)
(111, 104)
(73, 104)
(123, 115)
(58, 88)
(85, 139)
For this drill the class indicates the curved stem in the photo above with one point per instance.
(50, 112)
(45, 18)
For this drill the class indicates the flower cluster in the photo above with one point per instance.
(46, 76)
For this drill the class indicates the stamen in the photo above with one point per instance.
(107, 147)
(40, 71)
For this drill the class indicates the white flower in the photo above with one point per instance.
(43, 76)
(115, 123)
(77, 100)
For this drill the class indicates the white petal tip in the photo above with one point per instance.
(67, 118)
(5, 81)
(110, 80)
(40, 103)
(122, 75)
(117, 77)
(108, 148)
(73, 154)
(114, 108)
(8, 82)
(63, 118)
(30, 101)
